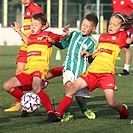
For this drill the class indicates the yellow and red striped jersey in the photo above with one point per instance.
(110, 46)
(33, 8)
(39, 52)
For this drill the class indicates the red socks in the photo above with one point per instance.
(17, 93)
(45, 101)
(57, 71)
(64, 104)
(124, 112)
(17, 100)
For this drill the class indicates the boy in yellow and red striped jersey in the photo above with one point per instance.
(100, 74)
(30, 8)
(37, 66)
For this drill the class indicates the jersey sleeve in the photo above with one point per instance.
(65, 43)
(123, 38)
(55, 37)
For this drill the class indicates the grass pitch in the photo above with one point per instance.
(107, 118)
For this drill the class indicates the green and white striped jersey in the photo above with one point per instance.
(76, 43)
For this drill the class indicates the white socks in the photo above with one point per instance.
(126, 67)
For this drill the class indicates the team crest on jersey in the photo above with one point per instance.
(28, 13)
(40, 38)
(113, 37)
(85, 46)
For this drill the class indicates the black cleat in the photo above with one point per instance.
(24, 113)
(123, 117)
(52, 118)
(124, 73)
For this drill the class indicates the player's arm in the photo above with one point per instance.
(90, 56)
(65, 32)
(55, 43)
(58, 45)
(17, 28)
(87, 55)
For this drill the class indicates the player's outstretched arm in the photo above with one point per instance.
(65, 32)
(17, 28)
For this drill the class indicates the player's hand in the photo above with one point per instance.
(65, 31)
(95, 53)
(85, 53)
(16, 26)
(50, 40)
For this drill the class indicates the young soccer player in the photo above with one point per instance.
(100, 74)
(30, 8)
(75, 64)
(126, 7)
(37, 66)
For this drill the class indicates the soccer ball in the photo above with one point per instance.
(30, 102)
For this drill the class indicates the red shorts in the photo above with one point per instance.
(22, 56)
(97, 80)
(26, 79)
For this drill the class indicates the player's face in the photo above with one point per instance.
(36, 26)
(87, 27)
(114, 25)
(26, 2)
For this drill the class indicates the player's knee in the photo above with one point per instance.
(36, 89)
(18, 71)
(6, 86)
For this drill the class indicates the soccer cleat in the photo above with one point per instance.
(124, 73)
(16, 107)
(44, 84)
(24, 113)
(67, 117)
(89, 114)
(124, 117)
(52, 118)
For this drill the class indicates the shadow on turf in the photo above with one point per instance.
(101, 110)
(5, 119)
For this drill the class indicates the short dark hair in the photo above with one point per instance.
(41, 17)
(92, 17)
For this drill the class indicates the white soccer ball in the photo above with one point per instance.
(30, 102)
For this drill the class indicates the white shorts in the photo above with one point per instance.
(69, 76)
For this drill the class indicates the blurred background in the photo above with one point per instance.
(59, 13)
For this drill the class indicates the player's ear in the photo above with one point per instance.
(94, 28)
(121, 29)
(44, 27)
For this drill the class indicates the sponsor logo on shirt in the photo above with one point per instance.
(28, 13)
(34, 53)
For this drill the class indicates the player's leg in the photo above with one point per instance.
(36, 85)
(67, 116)
(21, 62)
(113, 103)
(127, 61)
(81, 100)
(67, 100)
(16, 106)
(11, 87)
(54, 72)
